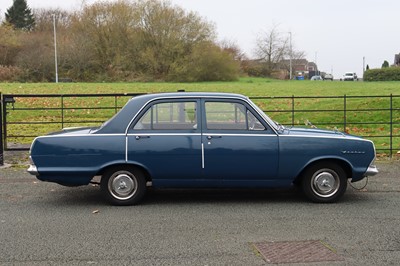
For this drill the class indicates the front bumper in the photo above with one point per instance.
(371, 171)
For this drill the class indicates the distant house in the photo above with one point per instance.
(311, 66)
(300, 66)
(397, 59)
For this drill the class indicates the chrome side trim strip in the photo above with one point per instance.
(126, 149)
(163, 134)
(325, 137)
(204, 133)
(238, 135)
(202, 155)
(81, 135)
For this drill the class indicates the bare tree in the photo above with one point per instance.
(271, 48)
(233, 48)
(276, 50)
(44, 19)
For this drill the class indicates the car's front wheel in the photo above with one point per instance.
(324, 182)
(123, 185)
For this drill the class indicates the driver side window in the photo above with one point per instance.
(230, 116)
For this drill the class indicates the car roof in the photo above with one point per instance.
(153, 96)
(121, 120)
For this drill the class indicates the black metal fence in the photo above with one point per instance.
(1, 131)
(375, 117)
(26, 116)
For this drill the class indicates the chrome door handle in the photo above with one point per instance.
(213, 137)
(142, 137)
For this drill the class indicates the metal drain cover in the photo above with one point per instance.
(296, 251)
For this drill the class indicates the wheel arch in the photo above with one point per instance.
(346, 166)
(141, 168)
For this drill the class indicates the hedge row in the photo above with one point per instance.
(9, 73)
(383, 74)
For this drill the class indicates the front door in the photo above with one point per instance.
(239, 148)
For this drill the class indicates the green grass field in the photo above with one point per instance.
(358, 109)
(246, 86)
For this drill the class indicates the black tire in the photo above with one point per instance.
(123, 185)
(324, 182)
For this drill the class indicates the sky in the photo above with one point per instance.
(338, 35)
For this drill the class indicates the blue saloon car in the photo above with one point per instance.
(200, 140)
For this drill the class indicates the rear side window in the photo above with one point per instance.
(169, 116)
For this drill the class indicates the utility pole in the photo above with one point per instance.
(55, 47)
(316, 66)
(363, 65)
(290, 60)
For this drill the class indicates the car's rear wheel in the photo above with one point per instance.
(324, 182)
(123, 185)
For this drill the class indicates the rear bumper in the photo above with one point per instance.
(33, 170)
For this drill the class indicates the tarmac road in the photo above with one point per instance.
(47, 224)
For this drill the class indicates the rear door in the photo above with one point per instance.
(166, 140)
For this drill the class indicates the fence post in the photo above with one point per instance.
(115, 104)
(292, 110)
(62, 111)
(344, 114)
(1, 132)
(391, 125)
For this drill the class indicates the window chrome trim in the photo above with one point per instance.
(198, 97)
(194, 99)
(163, 134)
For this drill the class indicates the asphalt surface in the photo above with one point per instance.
(47, 224)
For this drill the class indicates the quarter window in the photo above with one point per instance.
(169, 116)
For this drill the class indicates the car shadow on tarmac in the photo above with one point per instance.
(91, 195)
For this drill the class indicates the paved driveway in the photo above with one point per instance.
(47, 224)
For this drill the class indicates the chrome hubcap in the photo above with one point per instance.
(122, 185)
(325, 183)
